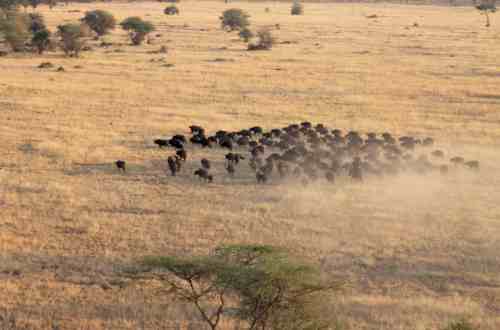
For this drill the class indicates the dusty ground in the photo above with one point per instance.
(418, 252)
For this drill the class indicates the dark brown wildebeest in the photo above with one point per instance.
(205, 163)
(261, 177)
(355, 170)
(120, 164)
(161, 143)
(203, 175)
(182, 154)
(172, 165)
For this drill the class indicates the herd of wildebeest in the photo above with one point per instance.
(308, 153)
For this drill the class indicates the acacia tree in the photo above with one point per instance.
(99, 21)
(259, 285)
(234, 19)
(486, 7)
(72, 38)
(138, 29)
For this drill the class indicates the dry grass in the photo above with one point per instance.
(418, 251)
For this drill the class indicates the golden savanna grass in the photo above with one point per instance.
(416, 251)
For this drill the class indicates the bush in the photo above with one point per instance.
(37, 23)
(7, 5)
(246, 34)
(297, 8)
(71, 38)
(41, 40)
(14, 27)
(99, 21)
(138, 29)
(265, 41)
(234, 19)
(460, 325)
(171, 10)
(267, 288)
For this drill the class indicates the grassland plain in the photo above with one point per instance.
(417, 252)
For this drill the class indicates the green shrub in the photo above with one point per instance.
(7, 5)
(41, 40)
(246, 34)
(72, 38)
(14, 27)
(267, 288)
(234, 19)
(171, 10)
(297, 8)
(138, 29)
(99, 21)
(460, 325)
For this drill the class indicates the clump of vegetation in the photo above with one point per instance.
(297, 8)
(8, 5)
(99, 21)
(265, 41)
(138, 29)
(234, 19)
(41, 40)
(486, 7)
(246, 34)
(14, 27)
(460, 325)
(171, 10)
(261, 286)
(72, 36)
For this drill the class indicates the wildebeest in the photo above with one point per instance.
(230, 169)
(203, 175)
(355, 170)
(205, 163)
(182, 154)
(120, 164)
(161, 143)
(234, 158)
(261, 177)
(172, 165)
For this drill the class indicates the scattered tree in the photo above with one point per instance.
(246, 34)
(297, 8)
(99, 21)
(260, 285)
(7, 5)
(486, 7)
(138, 29)
(71, 36)
(14, 27)
(41, 40)
(234, 19)
(265, 41)
(171, 10)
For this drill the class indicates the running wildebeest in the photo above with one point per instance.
(203, 175)
(172, 165)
